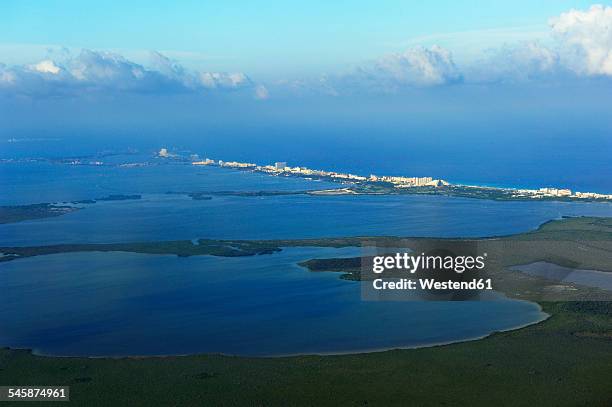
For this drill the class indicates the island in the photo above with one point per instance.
(19, 213)
(350, 184)
(375, 184)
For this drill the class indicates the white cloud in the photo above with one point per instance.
(47, 66)
(7, 77)
(585, 39)
(417, 66)
(579, 46)
(261, 92)
(110, 72)
(472, 43)
(521, 62)
(233, 80)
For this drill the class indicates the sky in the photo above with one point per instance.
(270, 39)
(505, 93)
(305, 43)
(166, 64)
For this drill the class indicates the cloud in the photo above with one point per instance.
(416, 67)
(579, 47)
(586, 39)
(215, 80)
(47, 66)
(194, 80)
(526, 61)
(261, 92)
(94, 71)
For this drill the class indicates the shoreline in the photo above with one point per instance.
(512, 358)
(544, 318)
(408, 185)
(25, 212)
(249, 247)
(513, 286)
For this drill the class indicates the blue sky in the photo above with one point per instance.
(210, 60)
(525, 83)
(270, 39)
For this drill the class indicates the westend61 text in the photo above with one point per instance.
(431, 284)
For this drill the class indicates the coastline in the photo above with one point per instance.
(563, 228)
(410, 185)
(545, 317)
(515, 286)
(512, 360)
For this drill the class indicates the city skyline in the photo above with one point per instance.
(281, 168)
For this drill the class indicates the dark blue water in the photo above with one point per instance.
(133, 304)
(478, 149)
(119, 304)
(159, 216)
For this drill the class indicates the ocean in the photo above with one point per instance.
(98, 304)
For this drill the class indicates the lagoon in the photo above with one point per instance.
(101, 304)
(117, 304)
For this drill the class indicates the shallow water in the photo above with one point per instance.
(554, 272)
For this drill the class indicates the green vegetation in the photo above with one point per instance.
(183, 248)
(583, 242)
(113, 197)
(580, 242)
(18, 213)
(119, 197)
(577, 243)
(197, 196)
(564, 361)
(388, 188)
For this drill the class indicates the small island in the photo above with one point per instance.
(19, 213)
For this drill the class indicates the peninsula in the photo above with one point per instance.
(582, 242)
(374, 184)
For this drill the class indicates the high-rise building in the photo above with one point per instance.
(280, 165)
